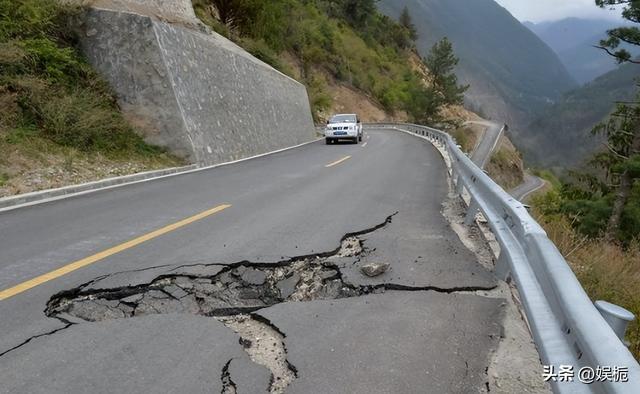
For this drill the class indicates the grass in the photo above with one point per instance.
(607, 271)
(465, 137)
(49, 91)
(54, 105)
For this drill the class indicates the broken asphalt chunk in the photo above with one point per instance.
(374, 269)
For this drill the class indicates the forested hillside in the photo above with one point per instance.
(512, 73)
(561, 134)
(323, 42)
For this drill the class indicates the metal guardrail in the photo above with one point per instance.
(566, 326)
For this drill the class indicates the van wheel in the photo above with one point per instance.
(327, 141)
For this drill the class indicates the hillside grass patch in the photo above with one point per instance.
(506, 166)
(49, 91)
(466, 137)
(607, 271)
(372, 55)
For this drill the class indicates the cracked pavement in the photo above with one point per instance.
(265, 297)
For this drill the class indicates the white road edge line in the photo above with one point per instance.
(542, 184)
(493, 148)
(70, 195)
(365, 144)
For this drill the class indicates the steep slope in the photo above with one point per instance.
(573, 40)
(562, 130)
(512, 73)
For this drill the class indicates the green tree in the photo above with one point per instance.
(442, 62)
(425, 105)
(621, 160)
(239, 15)
(620, 35)
(406, 21)
(358, 12)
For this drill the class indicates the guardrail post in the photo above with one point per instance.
(472, 211)
(459, 184)
(617, 317)
(502, 269)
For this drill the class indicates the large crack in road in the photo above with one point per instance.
(230, 294)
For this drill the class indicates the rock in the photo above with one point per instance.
(175, 291)
(132, 299)
(249, 294)
(374, 269)
(288, 286)
(254, 277)
(327, 274)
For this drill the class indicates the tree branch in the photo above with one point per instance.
(613, 151)
(615, 55)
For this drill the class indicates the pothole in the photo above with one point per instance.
(265, 346)
(229, 296)
(350, 246)
(240, 289)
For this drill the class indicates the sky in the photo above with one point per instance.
(551, 10)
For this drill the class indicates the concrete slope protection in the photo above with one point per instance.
(247, 278)
(191, 89)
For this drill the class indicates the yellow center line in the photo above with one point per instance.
(12, 291)
(335, 163)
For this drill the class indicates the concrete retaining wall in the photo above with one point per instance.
(194, 91)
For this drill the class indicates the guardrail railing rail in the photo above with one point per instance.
(566, 326)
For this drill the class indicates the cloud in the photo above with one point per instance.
(549, 10)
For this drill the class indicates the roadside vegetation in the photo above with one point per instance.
(506, 166)
(347, 41)
(54, 108)
(607, 270)
(466, 138)
(593, 215)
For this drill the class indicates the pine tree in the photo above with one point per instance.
(621, 160)
(442, 62)
(620, 35)
(407, 23)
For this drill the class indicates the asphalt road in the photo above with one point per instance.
(488, 142)
(424, 329)
(530, 184)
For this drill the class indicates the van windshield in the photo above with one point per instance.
(343, 119)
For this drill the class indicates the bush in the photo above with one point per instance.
(348, 39)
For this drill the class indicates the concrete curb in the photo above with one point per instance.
(44, 196)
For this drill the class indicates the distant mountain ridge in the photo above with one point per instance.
(573, 40)
(566, 34)
(512, 73)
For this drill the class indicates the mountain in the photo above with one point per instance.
(569, 33)
(562, 133)
(573, 39)
(512, 73)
